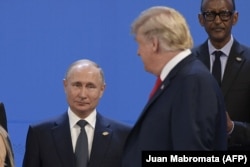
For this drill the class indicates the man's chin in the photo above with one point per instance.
(218, 38)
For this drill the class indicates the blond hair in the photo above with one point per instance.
(4, 137)
(166, 24)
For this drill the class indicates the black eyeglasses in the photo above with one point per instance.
(224, 15)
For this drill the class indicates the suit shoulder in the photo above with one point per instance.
(48, 123)
(242, 51)
(117, 124)
(195, 48)
(196, 51)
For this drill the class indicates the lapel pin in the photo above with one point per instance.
(238, 59)
(105, 133)
(162, 87)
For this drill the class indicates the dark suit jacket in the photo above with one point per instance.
(49, 144)
(3, 119)
(236, 90)
(186, 113)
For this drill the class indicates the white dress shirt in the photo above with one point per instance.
(173, 62)
(75, 129)
(226, 50)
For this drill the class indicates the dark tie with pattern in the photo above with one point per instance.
(216, 71)
(157, 84)
(81, 150)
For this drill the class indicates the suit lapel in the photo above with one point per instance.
(234, 63)
(101, 141)
(165, 85)
(203, 54)
(161, 88)
(62, 140)
(233, 66)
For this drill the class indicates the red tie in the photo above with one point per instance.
(157, 84)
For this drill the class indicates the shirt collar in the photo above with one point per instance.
(173, 62)
(73, 118)
(225, 49)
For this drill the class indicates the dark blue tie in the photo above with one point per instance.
(81, 150)
(216, 71)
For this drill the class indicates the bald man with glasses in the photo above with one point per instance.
(229, 61)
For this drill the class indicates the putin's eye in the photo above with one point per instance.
(90, 85)
(77, 84)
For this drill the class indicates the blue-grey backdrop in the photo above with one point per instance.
(40, 38)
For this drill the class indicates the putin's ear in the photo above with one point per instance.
(102, 90)
(64, 84)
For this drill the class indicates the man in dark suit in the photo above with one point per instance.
(218, 18)
(186, 112)
(3, 119)
(53, 143)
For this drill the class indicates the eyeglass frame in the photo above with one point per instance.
(228, 12)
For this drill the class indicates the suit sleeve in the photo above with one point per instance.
(31, 156)
(236, 140)
(199, 122)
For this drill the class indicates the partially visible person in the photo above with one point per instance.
(3, 124)
(3, 119)
(6, 154)
(218, 18)
(186, 112)
(52, 143)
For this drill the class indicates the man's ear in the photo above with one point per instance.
(201, 20)
(235, 17)
(102, 90)
(64, 85)
(155, 44)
